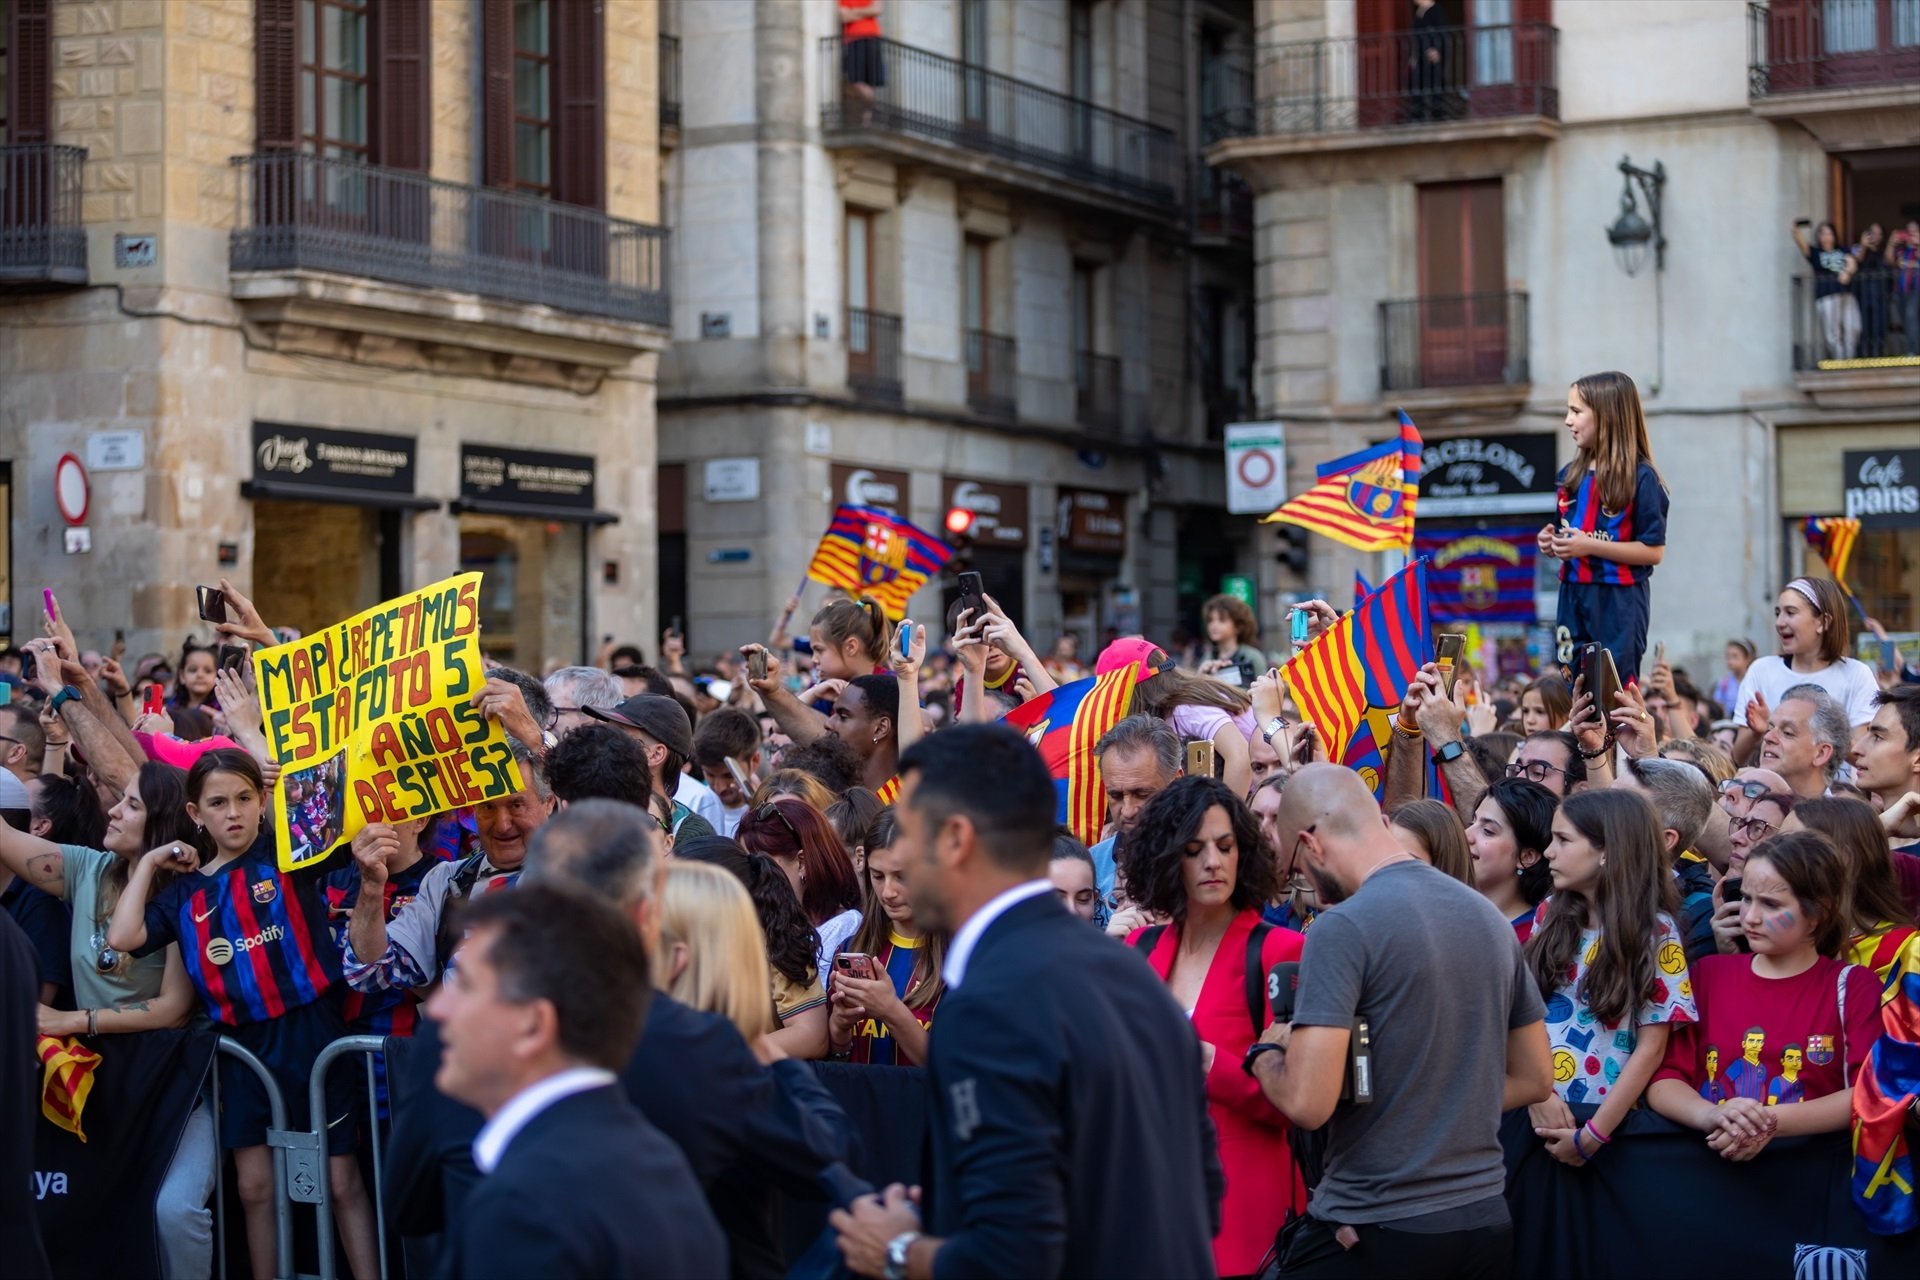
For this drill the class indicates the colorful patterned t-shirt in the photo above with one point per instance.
(1588, 1056)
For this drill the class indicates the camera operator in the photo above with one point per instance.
(1432, 973)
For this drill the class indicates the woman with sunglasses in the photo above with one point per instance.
(803, 845)
(118, 994)
(883, 1020)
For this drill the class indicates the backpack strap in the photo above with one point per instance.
(459, 885)
(1257, 976)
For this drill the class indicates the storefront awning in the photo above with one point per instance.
(532, 511)
(293, 491)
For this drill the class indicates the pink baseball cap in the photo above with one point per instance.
(178, 752)
(1130, 649)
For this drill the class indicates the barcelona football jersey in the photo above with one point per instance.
(1643, 520)
(253, 937)
(382, 1011)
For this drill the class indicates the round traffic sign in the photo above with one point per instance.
(70, 489)
(1256, 468)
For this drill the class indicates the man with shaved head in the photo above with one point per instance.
(1423, 972)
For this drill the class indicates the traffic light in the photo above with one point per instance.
(957, 530)
(1293, 548)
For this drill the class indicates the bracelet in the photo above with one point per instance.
(1400, 728)
(1576, 1146)
(1593, 755)
(1597, 1136)
(93, 1022)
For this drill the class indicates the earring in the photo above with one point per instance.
(1519, 871)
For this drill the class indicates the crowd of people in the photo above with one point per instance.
(1866, 290)
(614, 995)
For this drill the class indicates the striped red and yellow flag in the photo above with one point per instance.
(1832, 539)
(67, 1080)
(1064, 724)
(1365, 499)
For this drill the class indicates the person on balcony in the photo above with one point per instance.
(1903, 259)
(1871, 289)
(1427, 67)
(1833, 271)
(862, 61)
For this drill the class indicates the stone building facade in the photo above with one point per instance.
(996, 277)
(333, 298)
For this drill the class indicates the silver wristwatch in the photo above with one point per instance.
(897, 1254)
(1270, 728)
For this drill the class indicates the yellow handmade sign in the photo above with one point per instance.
(373, 720)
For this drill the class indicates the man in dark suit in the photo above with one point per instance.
(1067, 1083)
(543, 1003)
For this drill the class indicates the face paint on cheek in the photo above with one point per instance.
(1780, 922)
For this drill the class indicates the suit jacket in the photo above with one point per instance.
(1262, 1182)
(1070, 1130)
(746, 1130)
(588, 1190)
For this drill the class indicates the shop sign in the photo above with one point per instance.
(1093, 521)
(1000, 510)
(526, 477)
(1881, 488)
(871, 487)
(1488, 475)
(323, 458)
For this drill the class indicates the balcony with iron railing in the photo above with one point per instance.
(936, 110)
(992, 375)
(669, 86)
(1836, 58)
(1222, 206)
(1858, 342)
(42, 242)
(873, 357)
(1394, 88)
(1098, 406)
(1449, 343)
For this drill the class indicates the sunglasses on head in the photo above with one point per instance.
(769, 811)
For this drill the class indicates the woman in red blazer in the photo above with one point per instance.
(1197, 856)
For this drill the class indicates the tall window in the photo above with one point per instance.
(974, 286)
(859, 259)
(532, 97)
(1085, 290)
(973, 52)
(345, 79)
(543, 100)
(335, 81)
(26, 71)
(5, 22)
(1493, 42)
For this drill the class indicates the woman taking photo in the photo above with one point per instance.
(1810, 619)
(1199, 709)
(1507, 839)
(1197, 856)
(802, 843)
(1783, 1030)
(883, 1020)
(1606, 953)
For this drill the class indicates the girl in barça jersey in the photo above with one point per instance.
(255, 943)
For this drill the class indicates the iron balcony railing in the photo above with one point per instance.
(669, 82)
(1871, 322)
(940, 99)
(1096, 384)
(41, 239)
(992, 370)
(1833, 44)
(1222, 204)
(1399, 79)
(316, 213)
(1476, 339)
(873, 355)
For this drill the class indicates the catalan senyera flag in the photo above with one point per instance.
(1885, 1091)
(1832, 537)
(1365, 499)
(1063, 725)
(67, 1079)
(867, 551)
(1350, 681)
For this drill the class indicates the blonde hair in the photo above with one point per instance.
(706, 909)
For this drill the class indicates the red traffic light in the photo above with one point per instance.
(959, 522)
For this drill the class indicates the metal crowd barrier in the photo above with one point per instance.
(300, 1173)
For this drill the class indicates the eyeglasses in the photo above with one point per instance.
(1751, 790)
(1293, 858)
(1752, 828)
(1534, 770)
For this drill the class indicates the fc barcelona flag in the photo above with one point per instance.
(1832, 537)
(1884, 1094)
(1365, 499)
(1361, 588)
(1064, 725)
(867, 551)
(1350, 681)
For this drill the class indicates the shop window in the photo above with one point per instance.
(1883, 572)
(533, 601)
(330, 560)
(543, 105)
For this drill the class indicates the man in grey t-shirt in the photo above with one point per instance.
(1414, 1179)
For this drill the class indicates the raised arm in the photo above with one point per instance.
(39, 862)
(798, 721)
(909, 727)
(1441, 719)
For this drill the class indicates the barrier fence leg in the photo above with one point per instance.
(219, 1182)
(379, 1167)
(322, 1197)
(280, 1141)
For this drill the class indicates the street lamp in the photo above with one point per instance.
(1630, 233)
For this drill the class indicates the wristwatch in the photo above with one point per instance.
(897, 1254)
(67, 694)
(1270, 728)
(1254, 1051)
(1449, 753)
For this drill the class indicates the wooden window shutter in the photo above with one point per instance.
(403, 119)
(276, 58)
(29, 72)
(580, 74)
(496, 93)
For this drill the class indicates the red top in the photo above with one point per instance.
(1262, 1182)
(858, 28)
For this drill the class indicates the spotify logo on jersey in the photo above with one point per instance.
(219, 951)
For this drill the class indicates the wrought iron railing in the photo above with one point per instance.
(1832, 44)
(1871, 322)
(928, 95)
(1222, 203)
(992, 372)
(669, 72)
(306, 212)
(1400, 78)
(873, 355)
(1096, 384)
(41, 238)
(1476, 339)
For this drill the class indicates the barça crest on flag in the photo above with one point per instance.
(884, 551)
(1376, 491)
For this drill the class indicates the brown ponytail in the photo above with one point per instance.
(842, 619)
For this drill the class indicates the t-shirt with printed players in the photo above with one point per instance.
(1589, 1055)
(383, 1011)
(873, 1043)
(253, 937)
(1644, 520)
(1774, 1040)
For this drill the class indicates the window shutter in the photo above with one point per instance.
(496, 93)
(579, 41)
(276, 53)
(402, 112)
(29, 72)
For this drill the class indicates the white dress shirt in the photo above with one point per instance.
(523, 1106)
(699, 797)
(955, 968)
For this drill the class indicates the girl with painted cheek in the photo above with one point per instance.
(1783, 1030)
(1611, 961)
